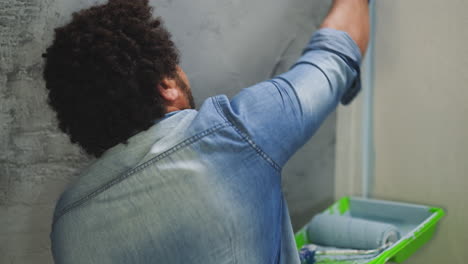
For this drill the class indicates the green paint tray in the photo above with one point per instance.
(416, 223)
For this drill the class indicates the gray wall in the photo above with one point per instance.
(420, 118)
(225, 45)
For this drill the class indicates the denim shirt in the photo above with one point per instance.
(205, 186)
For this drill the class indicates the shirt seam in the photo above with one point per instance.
(187, 142)
(244, 135)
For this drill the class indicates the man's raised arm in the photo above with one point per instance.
(281, 114)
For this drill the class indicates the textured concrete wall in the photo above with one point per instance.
(420, 118)
(225, 45)
(36, 161)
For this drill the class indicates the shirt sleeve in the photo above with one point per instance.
(281, 114)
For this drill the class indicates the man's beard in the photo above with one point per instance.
(190, 99)
(187, 92)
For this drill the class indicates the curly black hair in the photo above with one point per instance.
(102, 71)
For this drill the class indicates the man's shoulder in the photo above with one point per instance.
(166, 135)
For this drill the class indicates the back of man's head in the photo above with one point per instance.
(102, 71)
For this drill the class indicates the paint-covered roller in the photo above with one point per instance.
(351, 233)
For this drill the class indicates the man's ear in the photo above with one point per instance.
(168, 89)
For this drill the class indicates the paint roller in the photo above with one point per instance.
(351, 233)
(348, 232)
(341, 238)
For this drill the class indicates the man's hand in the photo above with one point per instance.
(352, 17)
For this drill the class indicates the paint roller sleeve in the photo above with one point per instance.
(348, 232)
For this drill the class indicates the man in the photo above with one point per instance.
(172, 184)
